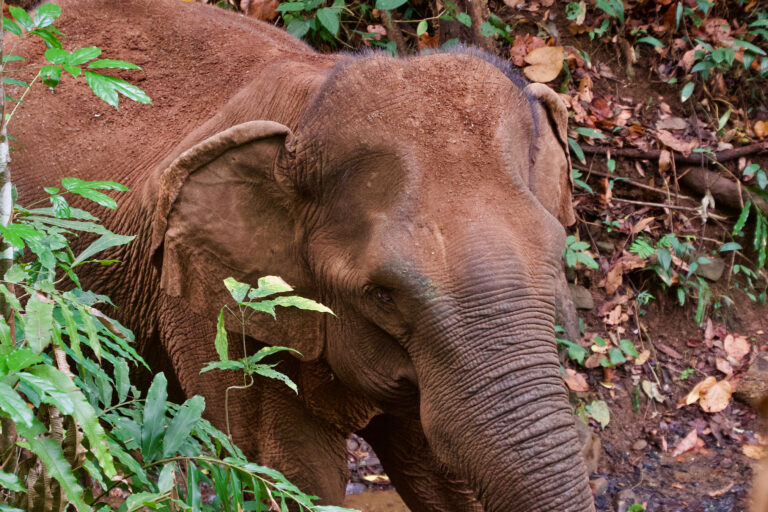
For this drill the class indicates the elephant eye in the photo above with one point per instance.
(383, 295)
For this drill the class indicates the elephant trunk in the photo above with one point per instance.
(497, 412)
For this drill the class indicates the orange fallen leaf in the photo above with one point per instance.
(644, 355)
(717, 397)
(736, 346)
(544, 63)
(699, 389)
(675, 143)
(761, 129)
(576, 380)
(724, 366)
(689, 442)
(260, 9)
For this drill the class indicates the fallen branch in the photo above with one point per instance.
(627, 181)
(725, 192)
(692, 159)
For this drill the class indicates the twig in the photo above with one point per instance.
(693, 159)
(634, 183)
(393, 32)
(657, 205)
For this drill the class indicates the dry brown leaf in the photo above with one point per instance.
(717, 397)
(642, 224)
(665, 160)
(522, 46)
(736, 346)
(675, 143)
(544, 63)
(671, 123)
(699, 389)
(688, 59)
(575, 380)
(260, 9)
(514, 3)
(724, 366)
(644, 355)
(585, 89)
(689, 442)
(761, 129)
(755, 451)
(613, 278)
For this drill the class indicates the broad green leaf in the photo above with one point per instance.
(10, 297)
(237, 290)
(12, 58)
(182, 425)
(153, 426)
(687, 91)
(11, 26)
(84, 414)
(5, 334)
(122, 380)
(72, 70)
(422, 27)
(129, 90)
(104, 242)
(16, 409)
(102, 87)
(268, 351)
(165, 480)
(599, 411)
(20, 358)
(221, 342)
(589, 132)
(71, 327)
(48, 392)
(290, 7)
(16, 274)
(51, 75)
(48, 35)
(194, 498)
(56, 55)
(464, 19)
(387, 5)
(38, 318)
(83, 55)
(49, 451)
(112, 64)
(73, 225)
(730, 246)
(651, 41)
(269, 285)
(13, 81)
(628, 348)
(329, 18)
(88, 325)
(577, 151)
(73, 184)
(46, 15)
(11, 482)
(21, 16)
(298, 27)
(749, 46)
(616, 357)
(140, 500)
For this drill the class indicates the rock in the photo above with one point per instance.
(625, 499)
(605, 246)
(582, 298)
(713, 270)
(640, 445)
(754, 386)
(599, 486)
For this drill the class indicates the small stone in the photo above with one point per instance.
(713, 270)
(599, 486)
(640, 445)
(582, 298)
(754, 386)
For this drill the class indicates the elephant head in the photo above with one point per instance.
(423, 200)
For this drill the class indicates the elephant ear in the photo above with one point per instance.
(221, 212)
(550, 178)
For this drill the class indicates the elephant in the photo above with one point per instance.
(423, 199)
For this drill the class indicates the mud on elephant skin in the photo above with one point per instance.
(422, 199)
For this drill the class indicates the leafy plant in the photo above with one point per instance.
(575, 252)
(250, 301)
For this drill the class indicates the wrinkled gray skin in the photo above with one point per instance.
(421, 199)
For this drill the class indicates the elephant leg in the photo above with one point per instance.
(420, 479)
(268, 421)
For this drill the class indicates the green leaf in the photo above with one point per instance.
(46, 15)
(298, 27)
(749, 46)
(12, 58)
(269, 285)
(329, 18)
(140, 500)
(15, 274)
(122, 380)
(599, 411)
(49, 451)
(651, 41)
(464, 19)
(268, 372)
(237, 290)
(290, 7)
(112, 64)
(221, 342)
(268, 351)
(48, 392)
(38, 319)
(102, 243)
(107, 87)
(687, 91)
(16, 409)
(11, 26)
(83, 55)
(730, 246)
(182, 425)
(72, 70)
(84, 414)
(589, 132)
(51, 75)
(13, 81)
(5, 334)
(153, 427)
(616, 357)
(24, 19)
(577, 151)
(223, 365)
(20, 358)
(628, 348)
(56, 55)
(422, 28)
(11, 482)
(388, 5)
(165, 480)
(48, 36)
